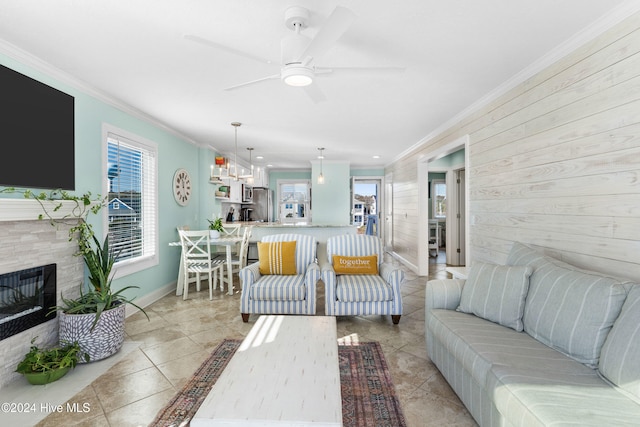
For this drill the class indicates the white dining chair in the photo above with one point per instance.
(239, 261)
(196, 258)
(228, 230)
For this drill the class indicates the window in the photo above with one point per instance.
(294, 205)
(439, 198)
(132, 200)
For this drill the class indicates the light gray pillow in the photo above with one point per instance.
(496, 293)
(620, 355)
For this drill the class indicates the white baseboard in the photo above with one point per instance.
(150, 298)
(403, 260)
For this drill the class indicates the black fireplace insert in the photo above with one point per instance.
(26, 296)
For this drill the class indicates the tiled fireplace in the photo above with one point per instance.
(26, 243)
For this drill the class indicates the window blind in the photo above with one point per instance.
(132, 198)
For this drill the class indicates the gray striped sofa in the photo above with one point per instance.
(573, 358)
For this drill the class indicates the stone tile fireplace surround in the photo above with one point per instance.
(27, 242)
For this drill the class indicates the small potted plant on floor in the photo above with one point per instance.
(215, 227)
(43, 366)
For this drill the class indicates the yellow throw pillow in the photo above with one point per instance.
(355, 264)
(277, 257)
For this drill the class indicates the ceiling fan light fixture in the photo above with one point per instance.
(297, 75)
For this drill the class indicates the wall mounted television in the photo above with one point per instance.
(37, 146)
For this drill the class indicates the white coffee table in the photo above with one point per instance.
(285, 373)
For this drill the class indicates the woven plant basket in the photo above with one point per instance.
(105, 339)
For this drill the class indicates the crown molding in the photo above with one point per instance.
(27, 59)
(595, 29)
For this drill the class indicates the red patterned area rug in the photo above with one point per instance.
(368, 395)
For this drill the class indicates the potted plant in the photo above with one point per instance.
(43, 366)
(95, 320)
(215, 227)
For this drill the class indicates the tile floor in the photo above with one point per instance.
(181, 334)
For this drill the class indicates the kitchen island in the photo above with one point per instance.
(320, 231)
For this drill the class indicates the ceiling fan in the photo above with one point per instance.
(299, 52)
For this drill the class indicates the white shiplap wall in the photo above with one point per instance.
(554, 163)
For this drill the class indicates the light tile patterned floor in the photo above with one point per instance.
(181, 334)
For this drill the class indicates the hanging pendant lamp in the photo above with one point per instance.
(236, 125)
(321, 176)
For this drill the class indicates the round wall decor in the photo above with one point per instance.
(182, 187)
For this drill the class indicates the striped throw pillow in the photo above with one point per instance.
(277, 258)
(496, 293)
(620, 356)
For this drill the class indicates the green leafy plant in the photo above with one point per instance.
(99, 259)
(52, 202)
(47, 360)
(216, 224)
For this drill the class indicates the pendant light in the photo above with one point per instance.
(249, 176)
(236, 125)
(321, 156)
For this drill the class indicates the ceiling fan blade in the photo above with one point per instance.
(334, 27)
(315, 93)
(227, 49)
(360, 71)
(241, 85)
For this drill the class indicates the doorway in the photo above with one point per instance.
(456, 220)
(367, 205)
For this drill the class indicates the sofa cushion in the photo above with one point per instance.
(496, 293)
(569, 309)
(620, 356)
(535, 396)
(279, 288)
(359, 288)
(480, 344)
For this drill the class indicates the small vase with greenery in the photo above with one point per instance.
(42, 366)
(215, 227)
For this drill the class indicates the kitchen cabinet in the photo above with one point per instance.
(235, 191)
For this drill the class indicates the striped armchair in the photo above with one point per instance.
(287, 294)
(351, 294)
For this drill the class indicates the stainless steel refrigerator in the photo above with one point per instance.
(262, 205)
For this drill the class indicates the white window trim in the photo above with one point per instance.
(307, 202)
(127, 267)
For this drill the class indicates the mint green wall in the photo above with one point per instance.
(454, 159)
(331, 201)
(367, 172)
(210, 207)
(173, 153)
(274, 176)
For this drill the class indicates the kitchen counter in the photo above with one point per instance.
(286, 225)
(320, 231)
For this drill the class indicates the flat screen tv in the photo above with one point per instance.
(37, 134)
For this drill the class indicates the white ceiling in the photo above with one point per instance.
(454, 52)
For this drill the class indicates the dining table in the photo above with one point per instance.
(228, 242)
